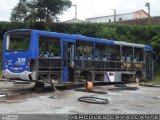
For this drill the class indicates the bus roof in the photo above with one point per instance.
(84, 38)
(67, 36)
(129, 44)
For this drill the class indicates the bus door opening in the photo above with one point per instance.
(68, 61)
(149, 65)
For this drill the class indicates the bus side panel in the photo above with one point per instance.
(34, 52)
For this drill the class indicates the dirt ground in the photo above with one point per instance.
(22, 98)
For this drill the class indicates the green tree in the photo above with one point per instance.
(19, 12)
(39, 10)
(155, 42)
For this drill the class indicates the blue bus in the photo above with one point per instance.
(58, 58)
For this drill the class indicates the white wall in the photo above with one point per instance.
(128, 16)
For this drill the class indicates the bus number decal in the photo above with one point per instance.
(20, 61)
(9, 62)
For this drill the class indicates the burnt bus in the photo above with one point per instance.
(58, 58)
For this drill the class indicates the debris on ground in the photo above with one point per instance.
(124, 88)
(157, 97)
(94, 100)
(118, 87)
(22, 82)
(88, 85)
(66, 100)
(148, 85)
(53, 97)
(56, 95)
(3, 93)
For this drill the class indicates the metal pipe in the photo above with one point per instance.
(75, 11)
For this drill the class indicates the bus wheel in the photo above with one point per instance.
(138, 76)
(85, 75)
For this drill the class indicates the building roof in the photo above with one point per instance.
(73, 21)
(120, 14)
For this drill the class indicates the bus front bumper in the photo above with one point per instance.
(10, 75)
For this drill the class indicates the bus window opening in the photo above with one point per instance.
(84, 50)
(138, 55)
(49, 47)
(127, 54)
(101, 51)
(18, 41)
(114, 52)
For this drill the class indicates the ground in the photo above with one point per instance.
(22, 98)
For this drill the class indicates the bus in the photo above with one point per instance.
(57, 58)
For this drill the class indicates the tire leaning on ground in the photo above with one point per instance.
(94, 100)
(149, 85)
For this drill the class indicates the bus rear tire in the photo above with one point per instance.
(138, 76)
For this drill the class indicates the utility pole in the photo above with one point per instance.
(114, 10)
(75, 11)
(148, 6)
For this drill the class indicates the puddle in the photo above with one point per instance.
(123, 88)
(115, 109)
(112, 93)
(61, 110)
(2, 96)
(140, 92)
(157, 97)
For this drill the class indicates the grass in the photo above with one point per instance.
(156, 80)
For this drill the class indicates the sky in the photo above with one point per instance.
(91, 8)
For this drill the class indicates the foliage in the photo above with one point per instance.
(155, 41)
(130, 33)
(156, 79)
(39, 10)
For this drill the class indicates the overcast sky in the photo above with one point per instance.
(91, 8)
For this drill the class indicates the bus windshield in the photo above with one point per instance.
(18, 40)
